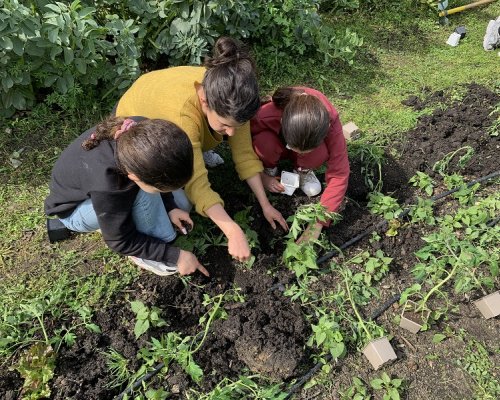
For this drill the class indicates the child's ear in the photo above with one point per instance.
(133, 177)
(201, 94)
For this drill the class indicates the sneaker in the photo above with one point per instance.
(309, 184)
(212, 159)
(156, 267)
(271, 171)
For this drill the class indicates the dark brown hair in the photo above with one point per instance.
(157, 151)
(230, 82)
(305, 121)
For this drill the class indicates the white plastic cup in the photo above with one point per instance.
(453, 39)
(290, 181)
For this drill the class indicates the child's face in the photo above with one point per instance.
(223, 126)
(147, 188)
(144, 186)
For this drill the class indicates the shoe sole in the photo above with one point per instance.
(152, 269)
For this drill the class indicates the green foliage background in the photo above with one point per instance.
(49, 46)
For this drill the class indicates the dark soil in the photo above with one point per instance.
(267, 332)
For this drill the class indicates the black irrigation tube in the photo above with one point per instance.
(377, 313)
(388, 303)
(405, 212)
(138, 382)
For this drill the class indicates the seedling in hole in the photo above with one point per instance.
(423, 182)
(390, 386)
(145, 318)
(118, 367)
(378, 351)
(371, 157)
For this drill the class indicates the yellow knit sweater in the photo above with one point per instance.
(170, 94)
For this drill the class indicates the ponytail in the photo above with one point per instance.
(282, 96)
(230, 81)
(105, 130)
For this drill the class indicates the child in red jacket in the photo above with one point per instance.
(301, 125)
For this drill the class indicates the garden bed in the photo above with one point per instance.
(265, 332)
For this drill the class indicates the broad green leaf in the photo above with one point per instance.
(141, 326)
(438, 337)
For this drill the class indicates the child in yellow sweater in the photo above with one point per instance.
(207, 103)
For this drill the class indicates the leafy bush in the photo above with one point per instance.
(52, 46)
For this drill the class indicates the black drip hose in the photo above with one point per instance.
(493, 222)
(405, 212)
(377, 313)
(136, 384)
(388, 303)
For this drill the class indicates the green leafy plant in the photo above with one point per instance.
(442, 165)
(423, 182)
(356, 391)
(145, 317)
(391, 386)
(36, 365)
(301, 257)
(55, 45)
(423, 212)
(465, 194)
(328, 336)
(448, 260)
(365, 331)
(157, 394)
(477, 363)
(245, 387)
(386, 206)
(170, 347)
(118, 367)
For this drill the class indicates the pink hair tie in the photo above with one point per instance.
(126, 125)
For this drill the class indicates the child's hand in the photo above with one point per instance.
(237, 244)
(271, 214)
(181, 220)
(188, 263)
(272, 183)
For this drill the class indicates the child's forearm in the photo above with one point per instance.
(255, 183)
(221, 218)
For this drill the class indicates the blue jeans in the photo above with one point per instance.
(148, 212)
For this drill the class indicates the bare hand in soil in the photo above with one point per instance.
(272, 183)
(271, 215)
(181, 220)
(238, 245)
(188, 263)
